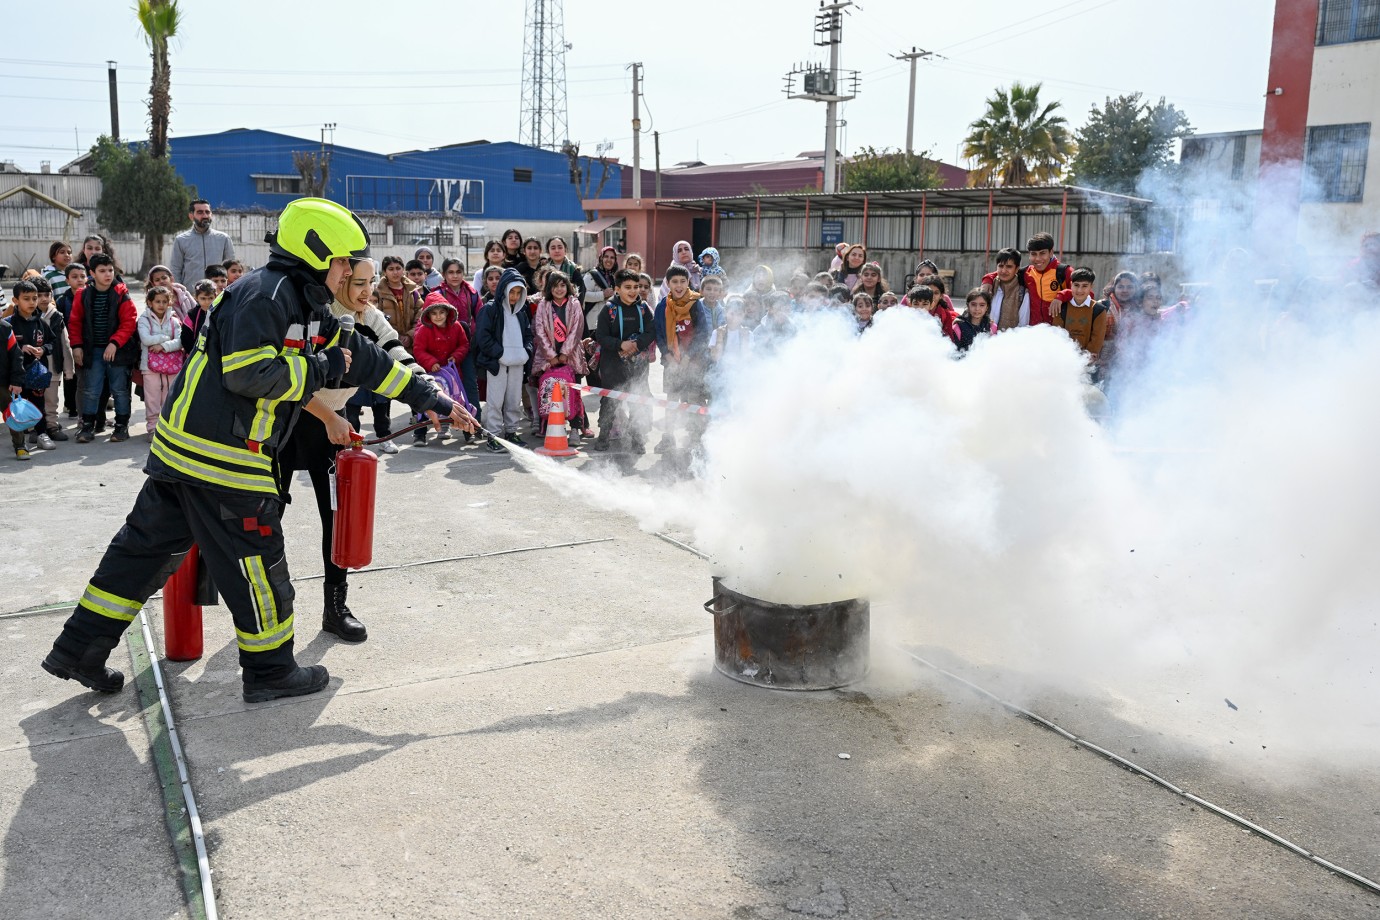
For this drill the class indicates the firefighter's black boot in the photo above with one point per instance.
(88, 668)
(298, 682)
(337, 617)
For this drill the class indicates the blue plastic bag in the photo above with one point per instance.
(22, 414)
(37, 377)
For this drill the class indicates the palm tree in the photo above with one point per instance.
(1016, 141)
(159, 20)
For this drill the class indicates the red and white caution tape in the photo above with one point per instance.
(642, 400)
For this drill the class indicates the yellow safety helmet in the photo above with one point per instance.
(315, 231)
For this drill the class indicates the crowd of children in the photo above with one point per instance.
(531, 319)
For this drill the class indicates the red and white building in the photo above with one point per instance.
(1307, 167)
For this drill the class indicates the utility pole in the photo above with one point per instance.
(637, 131)
(656, 141)
(915, 54)
(834, 14)
(825, 85)
(114, 105)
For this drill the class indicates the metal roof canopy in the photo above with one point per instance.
(916, 199)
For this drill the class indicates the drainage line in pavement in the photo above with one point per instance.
(68, 606)
(184, 820)
(1252, 827)
(1218, 810)
(62, 607)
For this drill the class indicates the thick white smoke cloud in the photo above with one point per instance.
(1217, 529)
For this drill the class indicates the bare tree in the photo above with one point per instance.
(315, 170)
(582, 173)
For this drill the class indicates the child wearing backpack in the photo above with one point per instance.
(34, 341)
(1084, 319)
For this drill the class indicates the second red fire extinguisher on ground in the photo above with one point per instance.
(355, 481)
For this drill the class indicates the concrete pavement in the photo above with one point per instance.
(541, 734)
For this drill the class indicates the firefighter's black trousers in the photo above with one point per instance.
(240, 537)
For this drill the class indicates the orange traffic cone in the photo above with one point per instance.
(557, 441)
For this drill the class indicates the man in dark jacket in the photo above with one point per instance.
(625, 332)
(503, 349)
(270, 343)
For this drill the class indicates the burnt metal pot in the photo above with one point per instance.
(789, 646)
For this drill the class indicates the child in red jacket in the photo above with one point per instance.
(105, 344)
(440, 338)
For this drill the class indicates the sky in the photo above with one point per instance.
(428, 73)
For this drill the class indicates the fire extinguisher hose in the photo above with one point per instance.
(413, 427)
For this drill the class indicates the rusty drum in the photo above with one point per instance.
(789, 646)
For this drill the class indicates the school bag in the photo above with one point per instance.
(37, 377)
(21, 415)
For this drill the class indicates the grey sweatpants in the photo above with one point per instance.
(503, 407)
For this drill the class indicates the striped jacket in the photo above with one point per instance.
(257, 359)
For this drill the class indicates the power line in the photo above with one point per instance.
(182, 84)
(420, 72)
(1020, 22)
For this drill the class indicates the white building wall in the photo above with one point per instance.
(1346, 90)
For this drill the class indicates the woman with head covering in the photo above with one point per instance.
(684, 256)
(763, 280)
(599, 283)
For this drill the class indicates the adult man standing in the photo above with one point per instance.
(199, 246)
(267, 346)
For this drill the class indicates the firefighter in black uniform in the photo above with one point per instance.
(270, 342)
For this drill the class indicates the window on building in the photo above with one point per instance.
(522, 175)
(278, 185)
(1342, 21)
(1238, 159)
(1335, 162)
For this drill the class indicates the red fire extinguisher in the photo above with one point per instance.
(181, 610)
(356, 477)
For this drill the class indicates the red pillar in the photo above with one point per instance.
(1286, 119)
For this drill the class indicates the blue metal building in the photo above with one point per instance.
(245, 169)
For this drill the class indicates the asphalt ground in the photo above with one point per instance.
(541, 733)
